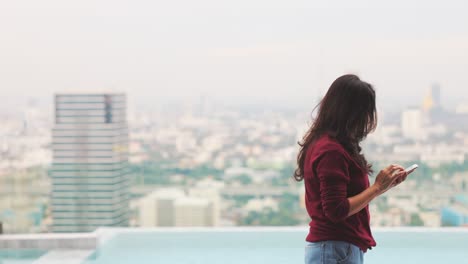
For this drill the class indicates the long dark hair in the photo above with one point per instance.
(348, 114)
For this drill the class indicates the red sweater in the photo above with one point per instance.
(330, 177)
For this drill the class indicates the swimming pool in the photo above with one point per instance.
(23, 256)
(273, 246)
(247, 245)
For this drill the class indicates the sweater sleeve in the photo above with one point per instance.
(332, 172)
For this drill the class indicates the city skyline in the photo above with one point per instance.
(181, 104)
(247, 155)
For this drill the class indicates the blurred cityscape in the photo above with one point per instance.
(210, 165)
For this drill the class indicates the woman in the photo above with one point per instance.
(335, 174)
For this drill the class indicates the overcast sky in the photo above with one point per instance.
(282, 52)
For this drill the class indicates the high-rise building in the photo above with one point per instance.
(432, 101)
(209, 189)
(90, 177)
(435, 93)
(157, 208)
(173, 207)
(192, 211)
(412, 124)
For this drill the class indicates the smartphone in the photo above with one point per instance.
(411, 168)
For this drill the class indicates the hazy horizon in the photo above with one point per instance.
(272, 52)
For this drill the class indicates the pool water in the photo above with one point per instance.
(271, 247)
(23, 256)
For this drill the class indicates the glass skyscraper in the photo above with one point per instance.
(90, 177)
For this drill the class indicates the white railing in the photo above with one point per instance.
(100, 236)
(49, 241)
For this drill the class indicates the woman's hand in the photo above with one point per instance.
(389, 178)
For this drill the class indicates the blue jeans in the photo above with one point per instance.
(333, 252)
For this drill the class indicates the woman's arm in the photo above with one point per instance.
(360, 201)
(386, 179)
(332, 173)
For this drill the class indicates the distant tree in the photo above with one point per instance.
(416, 220)
(243, 178)
(285, 216)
